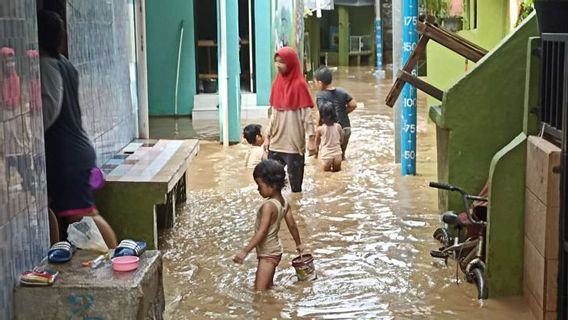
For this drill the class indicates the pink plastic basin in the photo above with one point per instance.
(126, 263)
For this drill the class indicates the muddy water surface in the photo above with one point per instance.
(368, 228)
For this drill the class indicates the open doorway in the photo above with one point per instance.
(59, 7)
(206, 49)
(206, 35)
(246, 37)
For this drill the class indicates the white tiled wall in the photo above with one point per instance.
(23, 199)
(99, 46)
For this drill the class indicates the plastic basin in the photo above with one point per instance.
(125, 263)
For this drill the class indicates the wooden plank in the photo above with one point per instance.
(206, 43)
(452, 41)
(408, 67)
(207, 76)
(421, 26)
(421, 85)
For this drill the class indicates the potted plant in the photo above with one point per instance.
(551, 15)
(527, 6)
(454, 21)
(448, 13)
(437, 9)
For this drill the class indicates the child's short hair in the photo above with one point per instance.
(270, 172)
(324, 75)
(251, 131)
(327, 113)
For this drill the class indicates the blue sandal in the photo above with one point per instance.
(130, 248)
(60, 252)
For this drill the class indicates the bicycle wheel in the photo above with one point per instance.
(478, 276)
(443, 236)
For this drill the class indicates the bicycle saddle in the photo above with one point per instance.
(450, 218)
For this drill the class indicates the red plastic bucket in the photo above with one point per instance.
(304, 266)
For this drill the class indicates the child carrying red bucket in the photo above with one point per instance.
(270, 177)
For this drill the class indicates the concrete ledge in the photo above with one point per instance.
(205, 107)
(84, 293)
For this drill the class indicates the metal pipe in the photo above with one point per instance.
(250, 46)
(177, 76)
(141, 70)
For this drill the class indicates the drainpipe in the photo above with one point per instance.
(397, 65)
(380, 72)
(250, 46)
(142, 73)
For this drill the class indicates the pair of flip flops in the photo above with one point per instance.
(60, 252)
(129, 248)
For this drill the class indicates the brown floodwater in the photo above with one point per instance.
(369, 229)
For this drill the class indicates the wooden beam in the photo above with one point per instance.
(452, 41)
(421, 84)
(408, 67)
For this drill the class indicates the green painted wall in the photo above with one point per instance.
(343, 35)
(163, 32)
(481, 114)
(507, 177)
(506, 223)
(351, 21)
(445, 66)
(312, 25)
(362, 22)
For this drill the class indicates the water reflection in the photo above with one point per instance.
(369, 229)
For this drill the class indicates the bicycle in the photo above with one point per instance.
(470, 253)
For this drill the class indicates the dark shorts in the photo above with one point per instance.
(71, 194)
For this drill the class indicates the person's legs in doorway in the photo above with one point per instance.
(104, 228)
(72, 199)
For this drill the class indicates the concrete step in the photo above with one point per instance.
(205, 107)
(84, 293)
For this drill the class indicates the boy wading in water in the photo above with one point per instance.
(341, 100)
(270, 177)
(291, 120)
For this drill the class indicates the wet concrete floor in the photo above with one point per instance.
(369, 228)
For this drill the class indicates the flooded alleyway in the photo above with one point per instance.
(368, 228)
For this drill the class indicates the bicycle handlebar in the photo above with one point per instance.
(465, 198)
(443, 186)
(477, 198)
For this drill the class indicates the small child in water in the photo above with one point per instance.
(329, 136)
(252, 133)
(270, 177)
